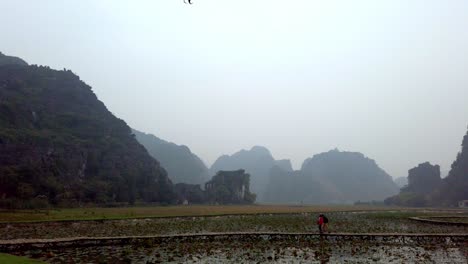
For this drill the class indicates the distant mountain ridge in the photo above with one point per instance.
(182, 165)
(257, 162)
(331, 177)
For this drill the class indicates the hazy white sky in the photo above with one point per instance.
(385, 78)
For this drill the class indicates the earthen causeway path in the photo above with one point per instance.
(400, 238)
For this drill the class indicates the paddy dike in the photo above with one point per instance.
(355, 237)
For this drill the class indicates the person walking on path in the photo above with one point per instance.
(320, 222)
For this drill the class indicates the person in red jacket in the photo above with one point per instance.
(320, 223)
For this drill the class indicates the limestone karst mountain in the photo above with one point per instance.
(60, 145)
(294, 187)
(257, 162)
(422, 181)
(181, 164)
(10, 60)
(331, 177)
(427, 188)
(454, 187)
(229, 187)
(424, 178)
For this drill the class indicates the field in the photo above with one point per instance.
(242, 234)
(165, 211)
(10, 259)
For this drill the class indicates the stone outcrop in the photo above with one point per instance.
(257, 162)
(229, 187)
(423, 179)
(426, 188)
(454, 187)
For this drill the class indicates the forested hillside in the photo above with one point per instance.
(60, 145)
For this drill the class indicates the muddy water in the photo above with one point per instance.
(339, 222)
(261, 251)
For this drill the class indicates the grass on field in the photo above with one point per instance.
(73, 214)
(167, 211)
(11, 259)
(340, 222)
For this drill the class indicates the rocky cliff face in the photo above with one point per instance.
(257, 162)
(182, 165)
(454, 187)
(426, 188)
(59, 144)
(424, 178)
(422, 181)
(229, 187)
(332, 177)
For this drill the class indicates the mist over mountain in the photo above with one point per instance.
(401, 181)
(331, 177)
(181, 164)
(294, 187)
(284, 164)
(60, 145)
(427, 188)
(257, 162)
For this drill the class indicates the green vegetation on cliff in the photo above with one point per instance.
(60, 145)
(230, 187)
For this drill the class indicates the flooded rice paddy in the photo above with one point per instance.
(253, 249)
